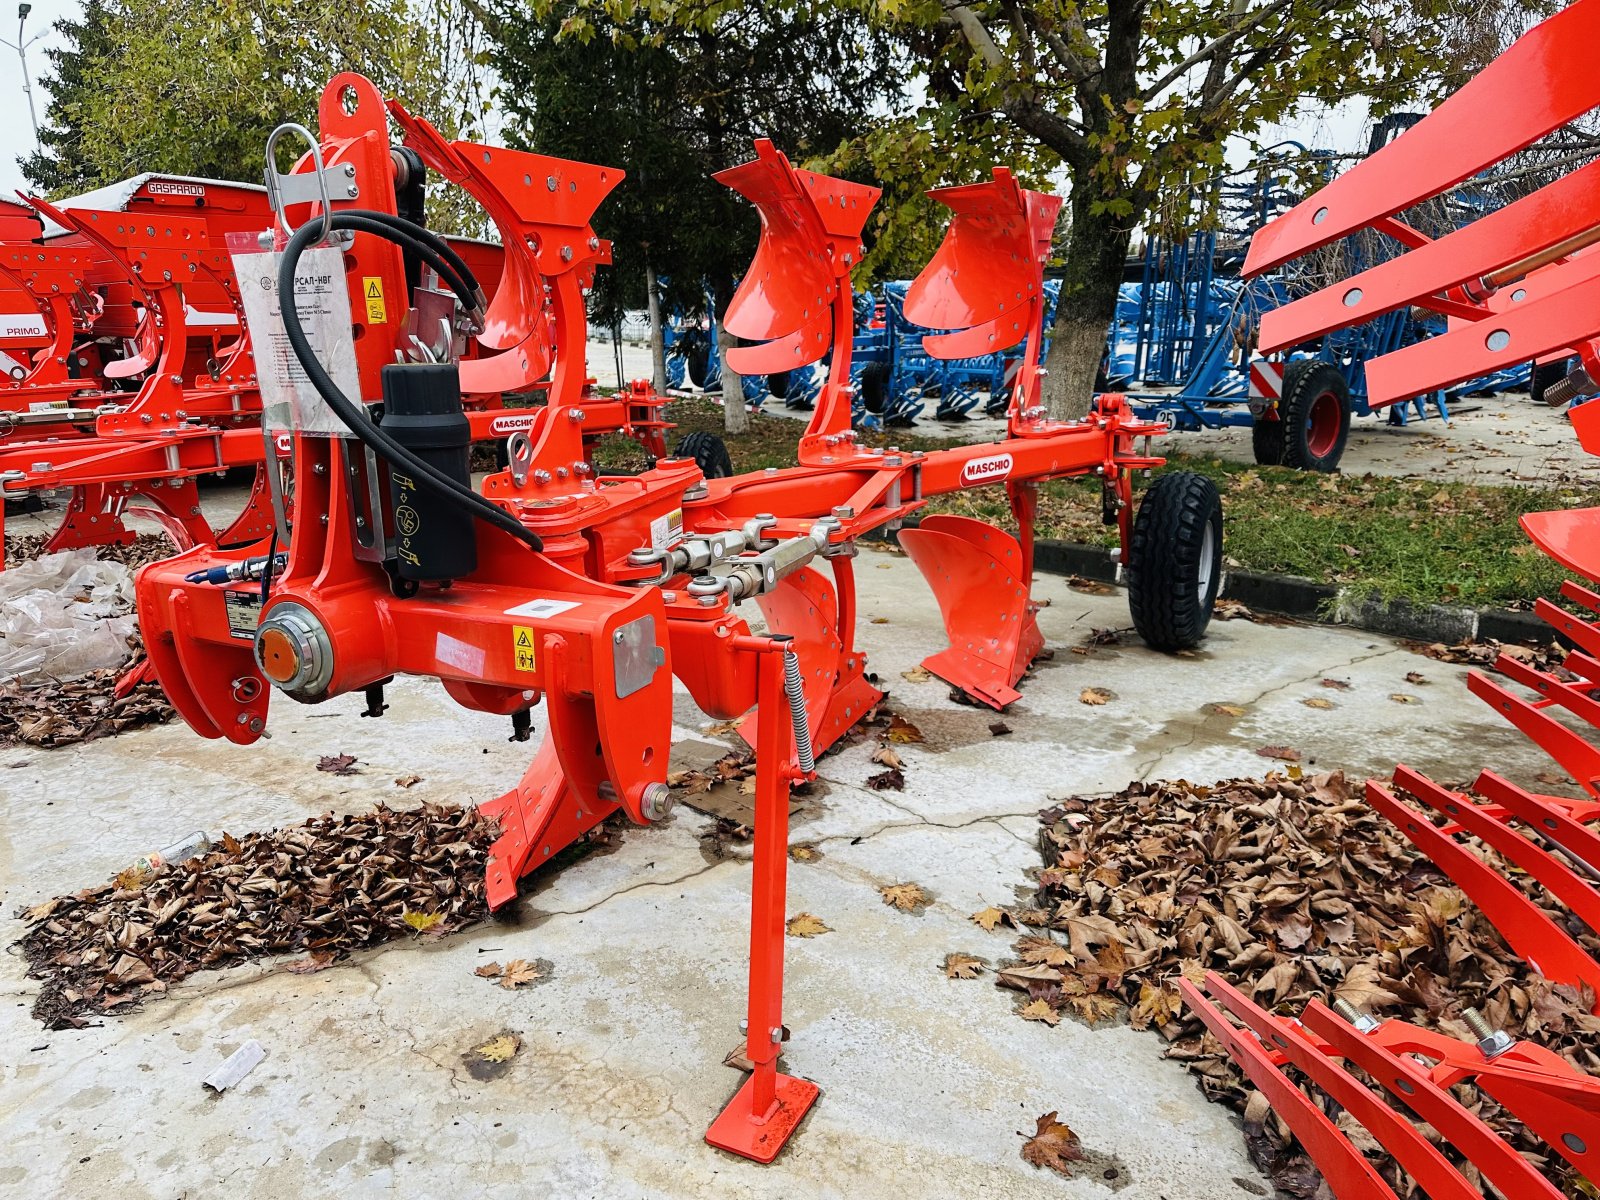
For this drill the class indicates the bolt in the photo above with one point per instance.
(550, 182)
(1354, 1015)
(566, 254)
(541, 476)
(844, 512)
(657, 801)
(146, 418)
(777, 1034)
(1492, 1042)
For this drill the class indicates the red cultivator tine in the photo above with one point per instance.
(1576, 756)
(1529, 931)
(1548, 816)
(979, 576)
(1554, 876)
(1348, 1173)
(1493, 115)
(1402, 1139)
(1411, 1083)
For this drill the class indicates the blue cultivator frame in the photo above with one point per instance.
(1190, 321)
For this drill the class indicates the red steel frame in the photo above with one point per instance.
(619, 600)
(1517, 284)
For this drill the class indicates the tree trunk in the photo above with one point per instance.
(1097, 248)
(735, 416)
(658, 336)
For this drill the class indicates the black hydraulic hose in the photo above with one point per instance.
(453, 270)
(353, 416)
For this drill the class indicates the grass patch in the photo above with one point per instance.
(1414, 539)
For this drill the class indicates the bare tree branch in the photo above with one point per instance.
(1215, 47)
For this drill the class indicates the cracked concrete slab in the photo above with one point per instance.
(927, 1082)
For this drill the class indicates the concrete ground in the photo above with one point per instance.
(926, 1081)
(1505, 438)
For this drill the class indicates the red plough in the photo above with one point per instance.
(589, 594)
(1516, 284)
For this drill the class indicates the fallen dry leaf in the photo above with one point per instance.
(1416, 677)
(519, 972)
(902, 731)
(907, 897)
(1286, 753)
(491, 1059)
(917, 674)
(309, 965)
(892, 780)
(1039, 1010)
(420, 921)
(988, 918)
(963, 966)
(804, 852)
(1342, 684)
(1094, 695)
(408, 781)
(1052, 1145)
(1227, 710)
(887, 757)
(806, 926)
(489, 970)
(1402, 698)
(999, 729)
(1317, 702)
(338, 764)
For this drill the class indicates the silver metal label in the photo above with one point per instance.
(635, 655)
(244, 614)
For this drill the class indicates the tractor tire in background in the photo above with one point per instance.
(1266, 440)
(697, 365)
(1544, 374)
(875, 386)
(710, 453)
(1316, 415)
(1175, 561)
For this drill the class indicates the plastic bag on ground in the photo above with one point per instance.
(64, 615)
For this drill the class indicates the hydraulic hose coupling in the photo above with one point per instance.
(294, 651)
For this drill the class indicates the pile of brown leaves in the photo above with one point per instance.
(145, 548)
(1292, 889)
(1546, 657)
(329, 886)
(51, 714)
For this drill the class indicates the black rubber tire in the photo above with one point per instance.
(875, 386)
(710, 453)
(1544, 374)
(1310, 390)
(1266, 439)
(1169, 556)
(697, 364)
(778, 385)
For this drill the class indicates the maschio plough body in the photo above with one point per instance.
(1517, 284)
(590, 594)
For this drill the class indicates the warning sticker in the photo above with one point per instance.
(667, 531)
(372, 291)
(522, 642)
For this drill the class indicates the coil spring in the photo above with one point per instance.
(793, 688)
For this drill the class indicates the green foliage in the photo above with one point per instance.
(194, 89)
(671, 91)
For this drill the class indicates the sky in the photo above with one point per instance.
(1343, 128)
(16, 131)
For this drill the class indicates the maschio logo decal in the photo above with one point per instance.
(504, 425)
(986, 470)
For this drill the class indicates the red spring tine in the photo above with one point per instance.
(1576, 756)
(1398, 1136)
(1555, 876)
(1531, 933)
(1408, 1082)
(1564, 623)
(1563, 1111)
(1574, 698)
(1348, 1173)
(1544, 818)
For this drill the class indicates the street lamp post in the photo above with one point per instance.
(21, 47)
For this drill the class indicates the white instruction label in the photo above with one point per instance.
(541, 608)
(288, 400)
(666, 531)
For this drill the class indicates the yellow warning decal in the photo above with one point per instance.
(372, 290)
(522, 642)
